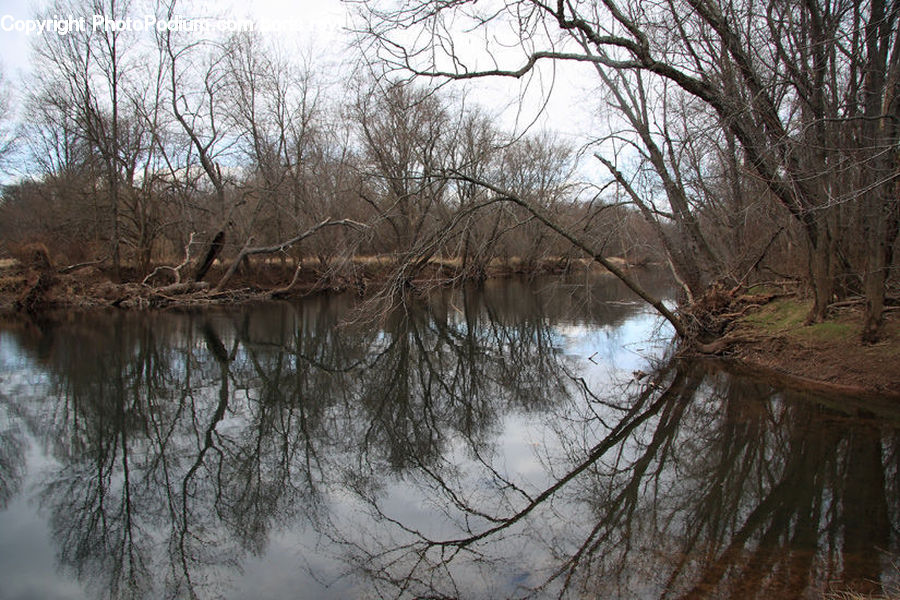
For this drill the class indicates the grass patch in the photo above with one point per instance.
(787, 316)
(828, 331)
(779, 316)
(830, 354)
(762, 288)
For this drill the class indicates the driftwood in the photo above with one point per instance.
(176, 271)
(81, 265)
(248, 251)
(277, 293)
(184, 287)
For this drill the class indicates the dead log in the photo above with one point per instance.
(248, 251)
(184, 287)
(176, 271)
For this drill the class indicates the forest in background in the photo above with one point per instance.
(738, 143)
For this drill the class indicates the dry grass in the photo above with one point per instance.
(500, 265)
(857, 596)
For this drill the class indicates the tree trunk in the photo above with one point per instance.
(215, 248)
(820, 270)
(881, 257)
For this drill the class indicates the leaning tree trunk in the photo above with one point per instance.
(212, 252)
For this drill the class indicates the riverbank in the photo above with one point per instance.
(827, 357)
(39, 286)
(770, 340)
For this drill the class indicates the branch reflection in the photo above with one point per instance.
(456, 450)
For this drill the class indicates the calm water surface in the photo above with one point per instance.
(519, 440)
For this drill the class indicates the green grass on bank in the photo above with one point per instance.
(787, 316)
(779, 316)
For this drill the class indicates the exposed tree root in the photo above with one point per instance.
(35, 296)
(712, 316)
(721, 345)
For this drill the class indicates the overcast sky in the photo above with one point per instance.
(321, 25)
(14, 46)
(311, 21)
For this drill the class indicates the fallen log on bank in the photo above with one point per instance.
(176, 271)
(284, 246)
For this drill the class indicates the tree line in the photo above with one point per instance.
(744, 141)
(138, 146)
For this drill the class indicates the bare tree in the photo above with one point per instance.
(402, 132)
(8, 135)
(809, 93)
(197, 96)
(476, 149)
(86, 90)
(276, 110)
(538, 169)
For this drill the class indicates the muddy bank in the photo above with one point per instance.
(39, 286)
(773, 342)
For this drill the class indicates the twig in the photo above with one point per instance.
(77, 266)
(175, 270)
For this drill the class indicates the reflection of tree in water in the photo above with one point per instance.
(201, 434)
(12, 456)
(746, 494)
(701, 487)
(433, 377)
(184, 442)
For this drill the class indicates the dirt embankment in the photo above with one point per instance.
(33, 283)
(830, 357)
(34, 288)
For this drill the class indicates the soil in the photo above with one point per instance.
(827, 357)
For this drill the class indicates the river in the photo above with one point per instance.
(524, 439)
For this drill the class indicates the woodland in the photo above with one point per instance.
(647, 352)
(740, 144)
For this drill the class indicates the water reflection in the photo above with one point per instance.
(467, 447)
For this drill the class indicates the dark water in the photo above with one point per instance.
(485, 444)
